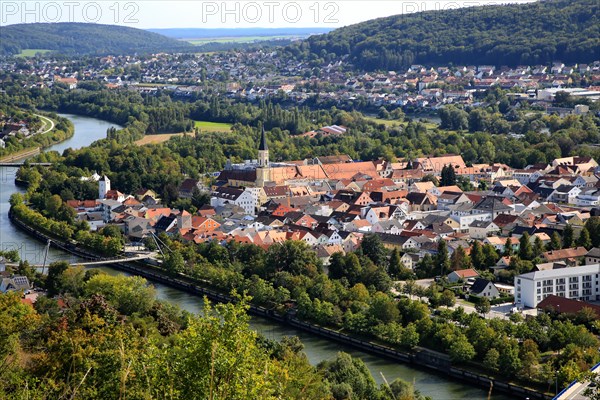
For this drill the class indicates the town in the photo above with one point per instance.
(262, 74)
(286, 215)
(413, 206)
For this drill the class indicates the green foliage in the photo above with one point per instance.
(85, 38)
(352, 374)
(127, 294)
(373, 248)
(453, 36)
(448, 176)
(568, 237)
(525, 248)
(584, 239)
(483, 306)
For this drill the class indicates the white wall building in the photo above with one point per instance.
(103, 187)
(578, 283)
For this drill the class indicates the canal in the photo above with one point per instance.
(87, 130)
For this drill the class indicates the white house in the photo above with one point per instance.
(484, 288)
(588, 197)
(482, 229)
(410, 260)
(579, 283)
(243, 198)
(465, 219)
(565, 194)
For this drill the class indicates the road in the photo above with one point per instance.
(501, 311)
(575, 392)
(46, 119)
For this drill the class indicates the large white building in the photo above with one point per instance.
(579, 283)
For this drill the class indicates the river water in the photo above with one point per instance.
(317, 349)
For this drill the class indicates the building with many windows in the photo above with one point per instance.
(579, 283)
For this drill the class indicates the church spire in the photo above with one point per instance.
(263, 141)
(263, 171)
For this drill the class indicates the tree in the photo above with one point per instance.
(345, 369)
(461, 350)
(174, 262)
(477, 256)
(555, 242)
(491, 360)
(199, 198)
(584, 239)
(491, 255)
(383, 308)
(409, 337)
(508, 249)
(127, 294)
(53, 280)
(538, 247)
(448, 176)
(510, 361)
(460, 260)
(294, 257)
(431, 178)
(217, 357)
(593, 227)
(400, 389)
(568, 237)
(525, 248)
(441, 258)
(483, 306)
(395, 264)
(448, 298)
(373, 248)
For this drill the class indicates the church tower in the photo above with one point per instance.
(263, 150)
(103, 187)
(263, 171)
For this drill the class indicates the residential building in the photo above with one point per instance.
(579, 283)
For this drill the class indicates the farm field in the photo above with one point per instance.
(31, 52)
(205, 126)
(158, 138)
(237, 39)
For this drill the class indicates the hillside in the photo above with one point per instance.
(81, 38)
(533, 33)
(195, 33)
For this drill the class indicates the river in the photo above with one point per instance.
(317, 349)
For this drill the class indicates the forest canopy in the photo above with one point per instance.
(81, 38)
(534, 33)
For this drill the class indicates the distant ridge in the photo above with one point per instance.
(83, 38)
(196, 33)
(531, 33)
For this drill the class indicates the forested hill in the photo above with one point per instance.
(533, 33)
(82, 38)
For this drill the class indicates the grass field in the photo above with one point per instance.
(386, 122)
(391, 122)
(237, 39)
(31, 52)
(202, 125)
(212, 126)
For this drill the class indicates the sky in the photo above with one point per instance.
(147, 14)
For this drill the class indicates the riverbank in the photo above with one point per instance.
(422, 357)
(19, 155)
(48, 138)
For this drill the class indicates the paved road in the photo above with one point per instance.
(46, 119)
(575, 392)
